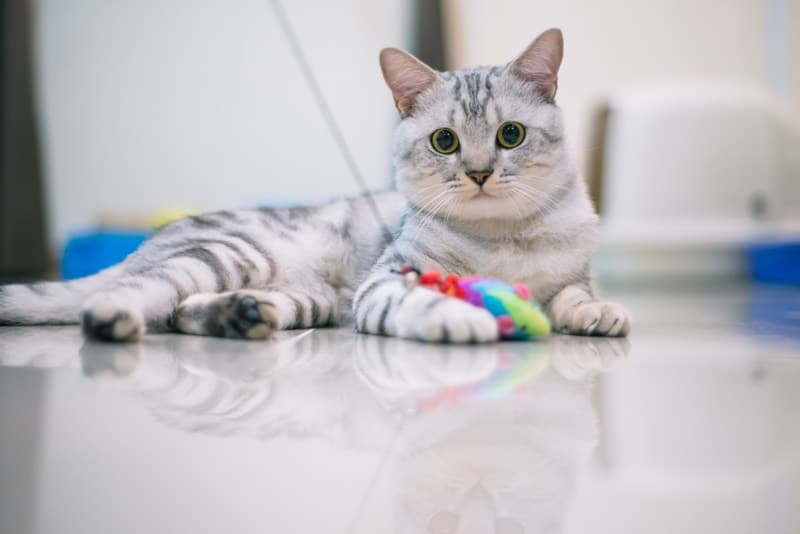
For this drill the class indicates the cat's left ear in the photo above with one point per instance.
(539, 63)
(406, 76)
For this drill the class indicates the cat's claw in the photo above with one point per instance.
(595, 318)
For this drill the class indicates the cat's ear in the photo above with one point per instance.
(539, 63)
(406, 76)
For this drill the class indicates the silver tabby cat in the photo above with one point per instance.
(485, 186)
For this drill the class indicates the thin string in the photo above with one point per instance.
(324, 108)
(386, 455)
(330, 121)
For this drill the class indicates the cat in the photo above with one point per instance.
(485, 185)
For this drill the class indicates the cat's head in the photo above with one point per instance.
(484, 142)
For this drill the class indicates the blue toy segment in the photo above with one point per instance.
(492, 302)
(483, 293)
(517, 318)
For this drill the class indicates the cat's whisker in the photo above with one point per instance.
(426, 216)
(532, 195)
(428, 213)
(535, 196)
(434, 211)
(421, 210)
(533, 199)
(516, 206)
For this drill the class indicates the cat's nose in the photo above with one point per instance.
(479, 177)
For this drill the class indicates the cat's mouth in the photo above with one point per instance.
(482, 194)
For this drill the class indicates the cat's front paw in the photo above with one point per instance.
(590, 317)
(107, 318)
(429, 316)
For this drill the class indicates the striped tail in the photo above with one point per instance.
(50, 302)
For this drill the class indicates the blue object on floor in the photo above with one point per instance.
(88, 253)
(774, 312)
(774, 262)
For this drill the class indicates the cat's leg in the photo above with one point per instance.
(255, 314)
(162, 275)
(124, 310)
(384, 305)
(575, 310)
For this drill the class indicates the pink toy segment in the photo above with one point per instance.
(522, 291)
(505, 325)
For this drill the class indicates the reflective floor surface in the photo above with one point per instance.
(689, 426)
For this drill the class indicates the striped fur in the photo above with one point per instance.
(246, 273)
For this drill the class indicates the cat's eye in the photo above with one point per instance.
(510, 134)
(444, 141)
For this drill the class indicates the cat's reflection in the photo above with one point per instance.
(40, 347)
(494, 438)
(300, 385)
(478, 439)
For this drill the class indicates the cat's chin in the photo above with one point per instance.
(487, 206)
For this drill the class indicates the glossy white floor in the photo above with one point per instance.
(689, 426)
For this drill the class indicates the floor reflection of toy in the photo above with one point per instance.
(513, 376)
(517, 317)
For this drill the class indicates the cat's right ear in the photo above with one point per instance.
(406, 76)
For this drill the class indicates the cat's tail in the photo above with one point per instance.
(50, 302)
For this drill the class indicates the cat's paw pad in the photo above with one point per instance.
(250, 318)
(240, 315)
(107, 319)
(595, 318)
(446, 320)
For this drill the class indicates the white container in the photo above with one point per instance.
(692, 171)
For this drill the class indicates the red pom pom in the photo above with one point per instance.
(430, 277)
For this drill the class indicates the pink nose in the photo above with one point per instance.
(479, 177)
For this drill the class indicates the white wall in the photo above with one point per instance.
(612, 43)
(795, 56)
(152, 104)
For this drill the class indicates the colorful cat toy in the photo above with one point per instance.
(517, 317)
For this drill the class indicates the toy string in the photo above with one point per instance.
(330, 121)
(327, 115)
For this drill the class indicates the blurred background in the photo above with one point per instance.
(119, 114)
